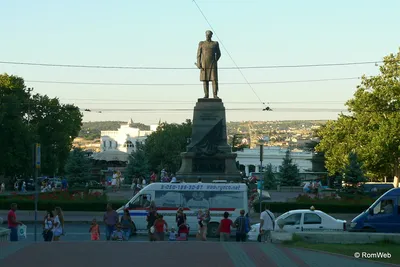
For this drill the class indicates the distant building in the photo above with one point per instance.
(250, 159)
(125, 138)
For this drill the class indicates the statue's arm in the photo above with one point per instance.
(199, 51)
(218, 52)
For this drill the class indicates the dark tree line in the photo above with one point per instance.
(26, 119)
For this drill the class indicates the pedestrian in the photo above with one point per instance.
(180, 217)
(151, 218)
(240, 225)
(159, 226)
(200, 218)
(48, 225)
(94, 230)
(3, 187)
(206, 221)
(13, 223)
(267, 224)
(118, 233)
(58, 229)
(110, 219)
(127, 224)
(224, 228)
(172, 235)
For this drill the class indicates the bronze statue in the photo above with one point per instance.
(208, 55)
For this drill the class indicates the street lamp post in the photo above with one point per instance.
(261, 173)
(37, 188)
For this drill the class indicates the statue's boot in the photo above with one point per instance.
(215, 90)
(206, 91)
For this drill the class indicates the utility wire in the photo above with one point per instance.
(226, 50)
(228, 109)
(189, 68)
(189, 84)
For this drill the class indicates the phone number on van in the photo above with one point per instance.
(201, 187)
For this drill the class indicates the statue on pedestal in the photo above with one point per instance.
(208, 55)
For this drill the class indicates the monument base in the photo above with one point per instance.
(208, 156)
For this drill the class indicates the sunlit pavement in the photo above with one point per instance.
(76, 250)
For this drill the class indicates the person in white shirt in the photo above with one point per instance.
(267, 224)
(58, 224)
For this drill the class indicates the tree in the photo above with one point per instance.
(78, 166)
(289, 171)
(318, 158)
(371, 130)
(55, 126)
(353, 173)
(27, 119)
(269, 177)
(15, 141)
(138, 163)
(163, 147)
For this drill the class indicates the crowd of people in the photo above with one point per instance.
(122, 228)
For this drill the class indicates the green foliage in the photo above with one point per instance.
(282, 207)
(78, 166)
(55, 126)
(27, 119)
(318, 158)
(353, 173)
(138, 163)
(269, 178)
(164, 146)
(92, 204)
(15, 143)
(289, 172)
(372, 129)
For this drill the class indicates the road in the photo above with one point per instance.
(194, 254)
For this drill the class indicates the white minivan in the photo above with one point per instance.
(168, 197)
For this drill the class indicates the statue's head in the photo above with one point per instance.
(209, 35)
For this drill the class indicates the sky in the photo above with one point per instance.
(159, 33)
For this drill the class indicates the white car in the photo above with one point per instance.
(302, 221)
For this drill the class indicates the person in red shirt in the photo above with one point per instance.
(159, 228)
(13, 223)
(224, 228)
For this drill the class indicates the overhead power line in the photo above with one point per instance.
(190, 84)
(57, 65)
(228, 109)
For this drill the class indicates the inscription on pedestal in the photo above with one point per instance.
(208, 116)
(208, 165)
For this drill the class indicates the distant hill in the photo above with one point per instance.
(91, 130)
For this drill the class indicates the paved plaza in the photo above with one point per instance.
(210, 254)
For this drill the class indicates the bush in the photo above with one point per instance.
(348, 199)
(282, 207)
(75, 205)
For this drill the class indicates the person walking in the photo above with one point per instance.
(94, 230)
(58, 225)
(48, 224)
(240, 224)
(267, 224)
(13, 223)
(224, 228)
(110, 219)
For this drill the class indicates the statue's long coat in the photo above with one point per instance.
(208, 54)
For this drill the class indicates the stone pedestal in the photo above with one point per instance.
(208, 156)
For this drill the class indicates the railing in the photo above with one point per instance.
(4, 234)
